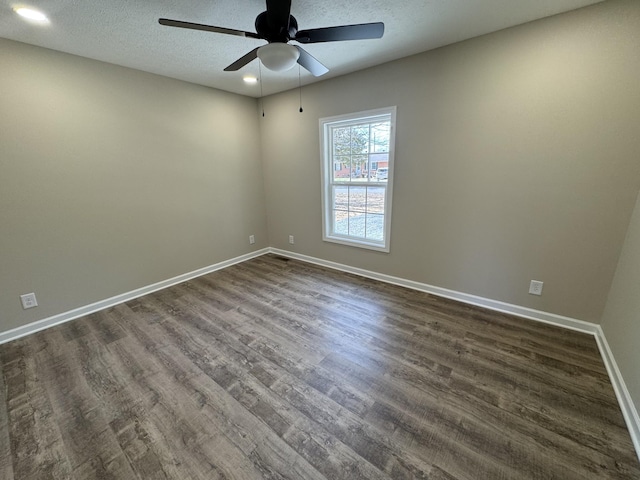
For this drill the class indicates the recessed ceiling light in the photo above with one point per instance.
(31, 14)
(250, 79)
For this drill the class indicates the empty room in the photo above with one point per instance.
(320, 240)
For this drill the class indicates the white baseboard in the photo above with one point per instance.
(622, 393)
(625, 401)
(43, 324)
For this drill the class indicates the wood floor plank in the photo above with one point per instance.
(263, 451)
(279, 369)
(90, 445)
(299, 433)
(6, 463)
(36, 440)
(261, 400)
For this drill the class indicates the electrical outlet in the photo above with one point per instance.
(28, 300)
(535, 287)
(252, 239)
(291, 241)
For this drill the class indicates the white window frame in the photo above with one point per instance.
(328, 180)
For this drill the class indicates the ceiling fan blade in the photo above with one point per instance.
(310, 63)
(242, 61)
(207, 28)
(361, 31)
(278, 12)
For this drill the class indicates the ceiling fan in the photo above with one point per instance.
(278, 27)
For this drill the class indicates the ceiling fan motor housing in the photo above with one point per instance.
(276, 33)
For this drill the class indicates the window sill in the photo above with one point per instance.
(357, 243)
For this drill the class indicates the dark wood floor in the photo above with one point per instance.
(278, 369)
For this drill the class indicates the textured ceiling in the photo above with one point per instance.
(127, 33)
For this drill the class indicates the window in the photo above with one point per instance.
(357, 178)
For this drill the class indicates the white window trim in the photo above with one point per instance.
(327, 179)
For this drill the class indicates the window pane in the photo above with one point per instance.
(358, 166)
(341, 141)
(357, 224)
(375, 227)
(360, 139)
(375, 199)
(357, 199)
(341, 198)
(341, 168)
(340, 223)
(380, 137)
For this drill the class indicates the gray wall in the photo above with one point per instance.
(621, 319)
(112, 179)
(516, 159)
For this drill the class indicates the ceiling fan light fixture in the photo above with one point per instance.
(278, 56)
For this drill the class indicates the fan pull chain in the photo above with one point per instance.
(260, 74)
(300, 88)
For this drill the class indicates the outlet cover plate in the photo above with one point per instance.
(28, 300)
(535, 287)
